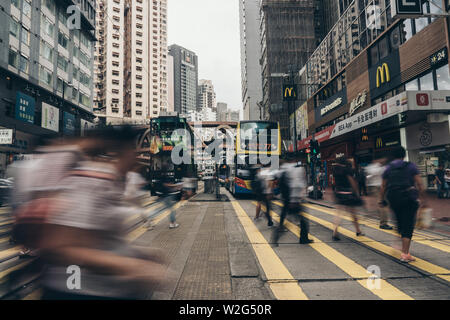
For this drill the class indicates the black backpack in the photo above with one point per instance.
(400, 188)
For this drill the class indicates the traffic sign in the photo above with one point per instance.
(406, 9)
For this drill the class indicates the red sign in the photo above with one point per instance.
(384, 109)
(422, 99)
(321, 136)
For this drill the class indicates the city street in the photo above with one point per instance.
(220, 253)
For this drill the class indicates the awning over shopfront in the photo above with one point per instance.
(406, 101)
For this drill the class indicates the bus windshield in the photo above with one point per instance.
(259, 136)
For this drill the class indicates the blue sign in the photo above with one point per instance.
(69, 124)
(24, 107)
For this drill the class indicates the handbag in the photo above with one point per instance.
(424, 218)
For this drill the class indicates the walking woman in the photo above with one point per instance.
(346, 193)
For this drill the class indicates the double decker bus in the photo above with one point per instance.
(254, 140)
(164, 139)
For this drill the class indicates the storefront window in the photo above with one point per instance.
(426, 82)
(443, 78)
(412, 85)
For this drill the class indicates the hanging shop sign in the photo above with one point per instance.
(6, 136)
(403, 9)
(358, 102)
(25, 107)
(289, 92)
(439, 57)
(384, 76)
(429, 100)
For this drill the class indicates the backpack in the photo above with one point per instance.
(399, 187)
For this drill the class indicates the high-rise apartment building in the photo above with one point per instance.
(222, 109)
(185, 79)
(131, 60)
(170, 85)
(249, 18)
(46, 72)
(290, 31)
(206, 95)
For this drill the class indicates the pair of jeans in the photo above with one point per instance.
(169, 200)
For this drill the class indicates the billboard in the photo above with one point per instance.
(25, 106)
(69, 124)
(50, 117)
(6, 136)
(406, 8)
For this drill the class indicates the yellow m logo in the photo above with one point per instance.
(379, 143)
(383, 75)
(288, 92)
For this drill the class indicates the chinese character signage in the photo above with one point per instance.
(50, 117)
(69, 124)
(24, 107)
(6, 136)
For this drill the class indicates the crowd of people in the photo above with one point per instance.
(396, 184)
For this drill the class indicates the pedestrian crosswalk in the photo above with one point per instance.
(391, 286)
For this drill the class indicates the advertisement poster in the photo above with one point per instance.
(24, 107)
(69, 124)
(6, 136)
(50, 117)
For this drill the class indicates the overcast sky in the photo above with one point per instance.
(210, 28)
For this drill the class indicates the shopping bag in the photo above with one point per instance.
(424, 218)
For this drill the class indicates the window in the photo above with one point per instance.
(26, 9)
(23, 64)
(75, 73)
(383, 47)
(45, 76)
(84, 79)
(46, 26)
(50, 5)
(59, 85)
(426, 82)
(443, 78)
(62, 40)
(14, 28)
(74, 94)
(46, 51)
(412, 85)
(374, 55)
(16, 3)
(13, 59)
(62, 63)
(25, 36)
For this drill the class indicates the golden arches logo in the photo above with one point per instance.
(288, 92)
(383, 74)
(379, 143)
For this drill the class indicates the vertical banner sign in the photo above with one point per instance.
(69, 124)
(50, 117)
(24, 107)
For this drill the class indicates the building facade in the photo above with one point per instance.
(206, 95)
(46, 67)
(249, 19)
(131, 60)
(388, 86)
(290, 31)
(185, 79)
(222, 109)
(170, 84)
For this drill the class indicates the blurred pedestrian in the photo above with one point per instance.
(375, 172)
(403, 188)
(362, 182)
(85, 230)
(188, 186)
(439, 180)
(447, 183)
(262, 190)
(346, 194)
(169, 191)
(292, 179)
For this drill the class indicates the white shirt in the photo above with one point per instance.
(374, 174)
(296, 179)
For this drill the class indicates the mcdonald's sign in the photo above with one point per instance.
(383, 74)
(379, 143)
(289, 92)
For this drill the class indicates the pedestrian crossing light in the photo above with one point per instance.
(314, 146)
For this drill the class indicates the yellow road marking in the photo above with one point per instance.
(354, 270)
(280, 280)
(433, 269)
(9, 252)
(35, 295)
(419, 239)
